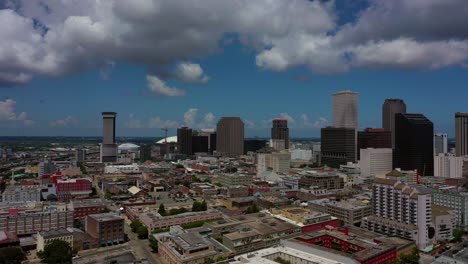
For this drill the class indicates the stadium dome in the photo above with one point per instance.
(172, 139)
(128, 147)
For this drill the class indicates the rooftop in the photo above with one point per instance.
(105, 217)
(55, 233)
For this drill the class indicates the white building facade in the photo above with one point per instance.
(375, 161)
(448, 166)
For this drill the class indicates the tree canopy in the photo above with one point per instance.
(11, 255)
(412, 258)
(56, 251)
(162, 210)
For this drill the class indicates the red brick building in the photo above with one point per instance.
(106, 228)
(84, 207)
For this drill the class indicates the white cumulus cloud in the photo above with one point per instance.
(159, 87)
(191, 73)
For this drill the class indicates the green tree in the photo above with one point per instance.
(153, 243)
(203, 206)
(196, 206)
(142, 232)
(135, 225)
(13, 255)
(458, 234)
(252, 209)
(162, 210)
(56, 251)
(108, 195)
(220, 258)
(208, 261)
(180, 166)
(412, 258)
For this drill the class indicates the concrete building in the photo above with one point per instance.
(277, 144)
(444, 222)
(374, 138)
(181, 246)
(108, 148)
(345, 109)
(263, 160)
(389, 108)
(80, 157)
(22, 193)
(338, 146)
(401, 210)
(184, 140)
(301, 154)
(46, 167)
(235, 179)
(106, 228)
(414, 143)
(83, 207)
(448, 166)
(153, 220)
(280, 131)
(349, 211)
(405, 176)
(321, 180)
(281, 162)
(45, 237)
(133, 168)
(29, 221)
(440, 144)
(458, 201)
(230, 137)
(461, 134)
(375, 161)
(306, 219)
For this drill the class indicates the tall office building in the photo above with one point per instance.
(230, 136)
(80, 157)
(200, 144)
(461, 134)
(414, 144)
(448, 166)
(440, 144)
(184, 140)
(375, 161)
(211, 134)
(280, 131)
(345, 109)
(389, 109)
(338, 146)
(108, 146)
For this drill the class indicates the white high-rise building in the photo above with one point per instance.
(345, 109)
(440, 144)
(281, 162)
(400, 210)
(375, 161)
(448, 166)
(263, 162)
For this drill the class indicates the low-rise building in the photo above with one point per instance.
(45, 237)
(133, 168)
(180, 246)
(107, 228)
(349, 211)
(84, 207)
(22, 193)
(254, 235)
(27, 221)
(153, 220)
(235, 179)
(321, 180)
(73, 188)
(305, 219)
(456, 200)
(406, 176)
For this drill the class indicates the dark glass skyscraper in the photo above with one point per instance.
(184, 140)
(461, 134)
(389, 108)
(338, 145)
(200, 144)
(230, 137)
(108, 147)
(414, 143)
(374, 138)
(280, 131)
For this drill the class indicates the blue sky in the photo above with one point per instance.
(240, 68)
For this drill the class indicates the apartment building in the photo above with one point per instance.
(107, 228)
(349, 211)
(153, 220)
(235, 179)
(22, 193)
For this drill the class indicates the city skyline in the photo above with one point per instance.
(236, 67)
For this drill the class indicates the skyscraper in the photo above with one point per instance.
(461, 134)
(389, 108)
(280, 131)
(338, 146)
(345, 109)
(414, 144)
(230, 136)
(184, 140)
(440, 144)
(108, 146)
(373, 138)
